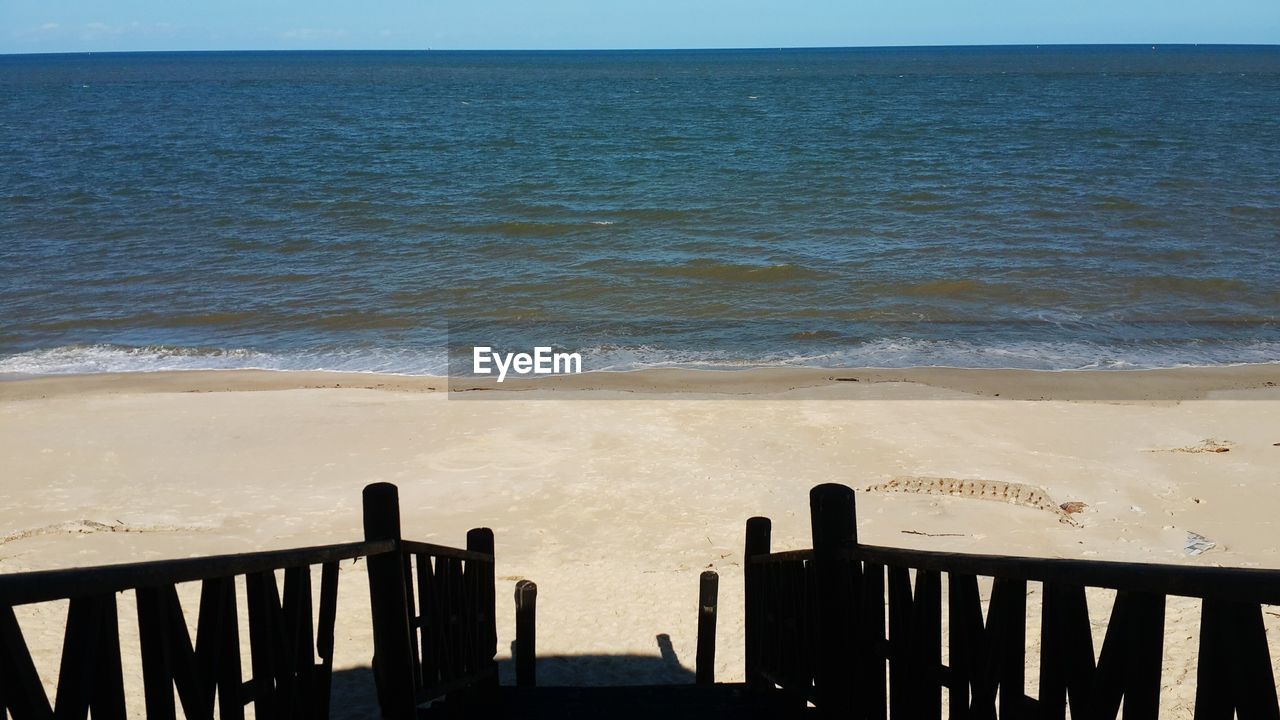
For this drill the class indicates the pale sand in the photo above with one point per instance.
(613, 491)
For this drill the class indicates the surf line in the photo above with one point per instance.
(542, 361)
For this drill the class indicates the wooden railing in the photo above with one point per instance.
(817, 627)
(443, 651)
(434, 632)
(291, 660)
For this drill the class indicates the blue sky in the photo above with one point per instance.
(94, 25)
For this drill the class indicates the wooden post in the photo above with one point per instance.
(392, 651)
(526, 633)
(708, 589)
(481, 540)
(758, 535)
(831, 509)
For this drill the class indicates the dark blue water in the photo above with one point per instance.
(1055, 207)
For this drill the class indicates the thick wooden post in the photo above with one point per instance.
(708, 589)
(759, 530)
(392, 649)
(831, 509)
(481, 540)
(526, 633)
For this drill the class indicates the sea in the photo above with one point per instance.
(1056, 207)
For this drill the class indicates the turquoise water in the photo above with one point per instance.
(1059, 207)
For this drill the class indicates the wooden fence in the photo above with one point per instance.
(434, 632)
(817, 628)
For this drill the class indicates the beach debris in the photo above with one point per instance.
(996, 490)
(1197, 544)
(1208, 445)
(929, 534)
(85, 527)
(1073, 507)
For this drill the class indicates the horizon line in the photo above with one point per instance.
(783, 48)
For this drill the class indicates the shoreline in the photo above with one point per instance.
(1166, 384)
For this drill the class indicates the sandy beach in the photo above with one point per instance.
(614, 491)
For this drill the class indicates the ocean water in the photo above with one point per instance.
(1056, 207)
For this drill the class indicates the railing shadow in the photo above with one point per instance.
(354, 696)
(664, 668)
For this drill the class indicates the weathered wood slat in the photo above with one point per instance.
(872, 689)
(467, 615)
(965, 632)
(772, 613)
(221, 639)
(902, 685)
(1066, 650)
(260, 592)
(1255, 683)
(450, 572)
(987, 658)
(1234, 667)
(327, 615)
(429, 627)
(300, 661)
(90, 676)
(154, 642)
(1145, 655)
(75, 675)
(209, 637)
(1013, 650)
(21, 692)
(407, 561)
(108, 699)
(926, 644)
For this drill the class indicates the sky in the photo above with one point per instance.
(130, 25)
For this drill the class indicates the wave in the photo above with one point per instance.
(734, 272)
(873, 353)
(950, 296)
(900, 353)
(91, 359)
(516, 228)
(1193, 287)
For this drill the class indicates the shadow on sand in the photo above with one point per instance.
(354, 698)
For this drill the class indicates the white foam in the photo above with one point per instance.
(433, 361)
(83, 359)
